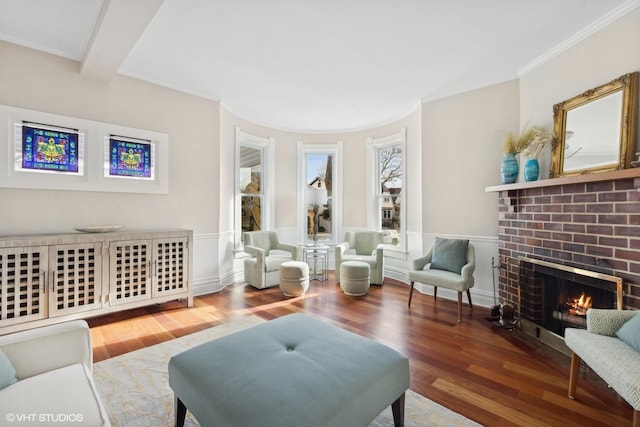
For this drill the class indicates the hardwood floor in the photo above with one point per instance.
(490, 375)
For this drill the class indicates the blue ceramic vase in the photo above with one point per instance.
(509, 169)
(531, 170)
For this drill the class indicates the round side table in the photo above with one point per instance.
(318, 259)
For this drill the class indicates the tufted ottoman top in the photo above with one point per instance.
(291, 371)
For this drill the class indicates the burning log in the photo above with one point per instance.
(579, 321)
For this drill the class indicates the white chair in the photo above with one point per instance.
(262, 270)
(450, 264)
(53, 367)
(364, 246)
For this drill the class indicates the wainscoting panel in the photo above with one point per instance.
(215, 265)
(206, 274)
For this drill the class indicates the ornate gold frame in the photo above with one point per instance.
(628, 84)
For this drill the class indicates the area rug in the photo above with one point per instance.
(135, 390)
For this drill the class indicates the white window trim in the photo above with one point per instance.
(336, 195)
(267, 146)
(374, 213)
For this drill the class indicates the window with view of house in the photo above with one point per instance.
(319, 174)
(319, 168)
(387, 171)
(252, 190)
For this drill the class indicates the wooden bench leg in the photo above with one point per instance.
(180, 411)
(573, 375)
(397, 408)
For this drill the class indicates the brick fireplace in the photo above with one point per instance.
(590, 222)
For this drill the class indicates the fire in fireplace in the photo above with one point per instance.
(579, 306)
(572, 313)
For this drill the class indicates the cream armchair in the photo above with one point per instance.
(262, 269)
(51, 368)
(365, 246)
(450, 264)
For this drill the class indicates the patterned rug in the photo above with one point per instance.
(135, 390)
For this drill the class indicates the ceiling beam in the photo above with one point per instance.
(119, 26)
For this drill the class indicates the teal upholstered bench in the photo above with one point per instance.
(292, 371)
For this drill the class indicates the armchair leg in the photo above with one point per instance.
(573, 375)
(459, 306)
(469, 299)
(410, 293)
(435, 292)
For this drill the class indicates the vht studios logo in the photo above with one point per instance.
(45, 418)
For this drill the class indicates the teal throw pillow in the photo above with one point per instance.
(630, 332)
(449, 254)
(7, 371)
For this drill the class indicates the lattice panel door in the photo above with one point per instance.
(76, 276)
(129, 271)
(171, 266)
(23, 284)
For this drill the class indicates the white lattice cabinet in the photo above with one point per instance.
(23, 284)
(130, 269)
(144, 269)
(75, 278)
(52, 278)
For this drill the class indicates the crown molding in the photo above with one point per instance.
(589, 30)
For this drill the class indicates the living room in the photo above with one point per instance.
(453, 143)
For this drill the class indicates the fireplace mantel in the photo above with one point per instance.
(633, 173)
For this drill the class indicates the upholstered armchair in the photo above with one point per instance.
(365, 246)
(450, 264)
(48, 370)
(267, 253)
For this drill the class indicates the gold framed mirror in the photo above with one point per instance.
(596, 130)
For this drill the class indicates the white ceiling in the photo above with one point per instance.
(309, 65)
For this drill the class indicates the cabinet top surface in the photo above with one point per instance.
(77, 236)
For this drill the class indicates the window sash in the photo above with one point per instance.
(387, 213)
(307, 174)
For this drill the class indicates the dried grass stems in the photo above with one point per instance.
(530, 143)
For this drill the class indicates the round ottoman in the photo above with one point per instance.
(294, 278)
(354, 277)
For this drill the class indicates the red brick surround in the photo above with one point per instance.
(593, 225)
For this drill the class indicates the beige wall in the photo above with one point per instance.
(462, 151)
(602, 57)
(42, 82)
(463, 134)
